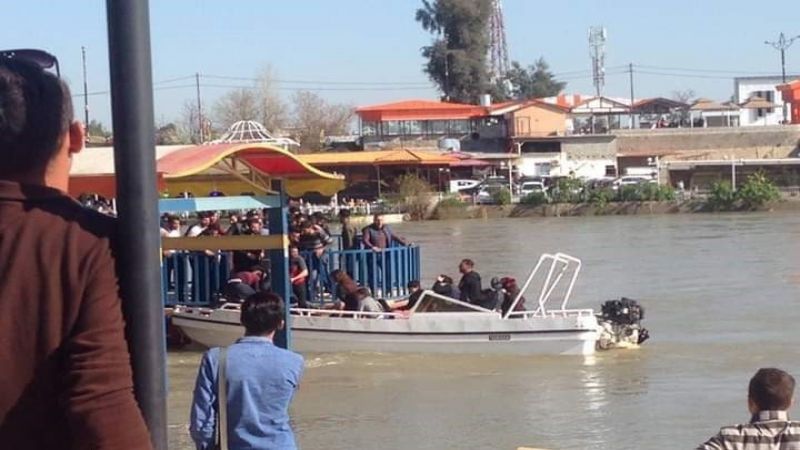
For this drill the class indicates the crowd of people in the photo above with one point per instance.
(309, 263)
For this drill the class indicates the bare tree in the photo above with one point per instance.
(238, 104)
(683, 96)
(189, 124)
(273, 111)
(315, 118)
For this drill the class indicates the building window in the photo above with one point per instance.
(412, 127)
(437, 126)
(369, 128)
(459, 126)
(391, 128)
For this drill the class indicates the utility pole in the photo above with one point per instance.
(199, 109)
(85, 93)
(782, 44)
(630, 70)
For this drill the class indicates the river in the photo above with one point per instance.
(720, 293)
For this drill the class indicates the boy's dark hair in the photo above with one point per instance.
(35, 111)
(413, 284)
(771, 389)
(262, 313)
(468, 262)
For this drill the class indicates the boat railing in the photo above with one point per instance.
(561, 272)
(197, 278)
(308, 312)
(386, 273)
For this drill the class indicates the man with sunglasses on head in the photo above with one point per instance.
(66, 378)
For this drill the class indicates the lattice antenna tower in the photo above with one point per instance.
(597, 47)
(498, 48)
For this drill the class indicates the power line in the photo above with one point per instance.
(320, 82)
(696, 70)
(684, 75)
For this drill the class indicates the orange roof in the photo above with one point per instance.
(507, 107)
(420, 110)
(377, 158)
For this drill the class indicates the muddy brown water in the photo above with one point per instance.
(721, 294)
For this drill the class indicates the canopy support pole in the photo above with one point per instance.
(279, 264)
(137, 243)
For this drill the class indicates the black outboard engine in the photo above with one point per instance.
(620, 324)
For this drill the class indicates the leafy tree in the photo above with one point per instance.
(456, 59)
(414, 194)
(536, 81)
(96, 128)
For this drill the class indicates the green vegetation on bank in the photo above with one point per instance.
(756, 192)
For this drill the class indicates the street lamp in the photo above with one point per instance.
(782, 44)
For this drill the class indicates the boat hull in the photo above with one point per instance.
(458, 335)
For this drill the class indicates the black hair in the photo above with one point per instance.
(262, 313)
(413, 284)
(35, 111)
(771, 389)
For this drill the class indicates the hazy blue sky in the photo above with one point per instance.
(378, 41)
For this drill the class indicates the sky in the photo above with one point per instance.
(363, 52)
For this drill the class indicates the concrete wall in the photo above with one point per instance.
(682, 143)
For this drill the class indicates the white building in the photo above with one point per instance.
(763, 87)
(589, 157)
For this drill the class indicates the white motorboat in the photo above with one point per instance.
(439, 324)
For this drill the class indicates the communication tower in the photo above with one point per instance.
(498, 48)
(597, 46)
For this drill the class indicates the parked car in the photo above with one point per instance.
(529, 187)
(631, 180)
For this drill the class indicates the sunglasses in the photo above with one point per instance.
(38, 58)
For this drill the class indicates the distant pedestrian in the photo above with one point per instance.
(298, 276)
(260, 382)
(770, 395)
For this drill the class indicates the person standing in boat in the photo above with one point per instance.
(470, 284)
(378, 237)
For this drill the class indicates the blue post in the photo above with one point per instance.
(279, 264)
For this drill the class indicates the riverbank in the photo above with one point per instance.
(588, 209)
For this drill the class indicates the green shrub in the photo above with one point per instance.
(722, 197)
(599, 198)
(757, 191)
(534, 199)
(654, 192)
(568, 190)
(630, 193)
(502, 196)
(451, 202)
(414, 195)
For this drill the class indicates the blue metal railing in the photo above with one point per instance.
(196, 278)
(385, 273)
(193, 278)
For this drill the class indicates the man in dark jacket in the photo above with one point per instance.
(470, 284)
(66, 378)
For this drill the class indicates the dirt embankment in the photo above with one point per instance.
(585, 209)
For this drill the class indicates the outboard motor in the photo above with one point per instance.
(620, 324)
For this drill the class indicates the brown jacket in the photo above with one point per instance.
(65, 375)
